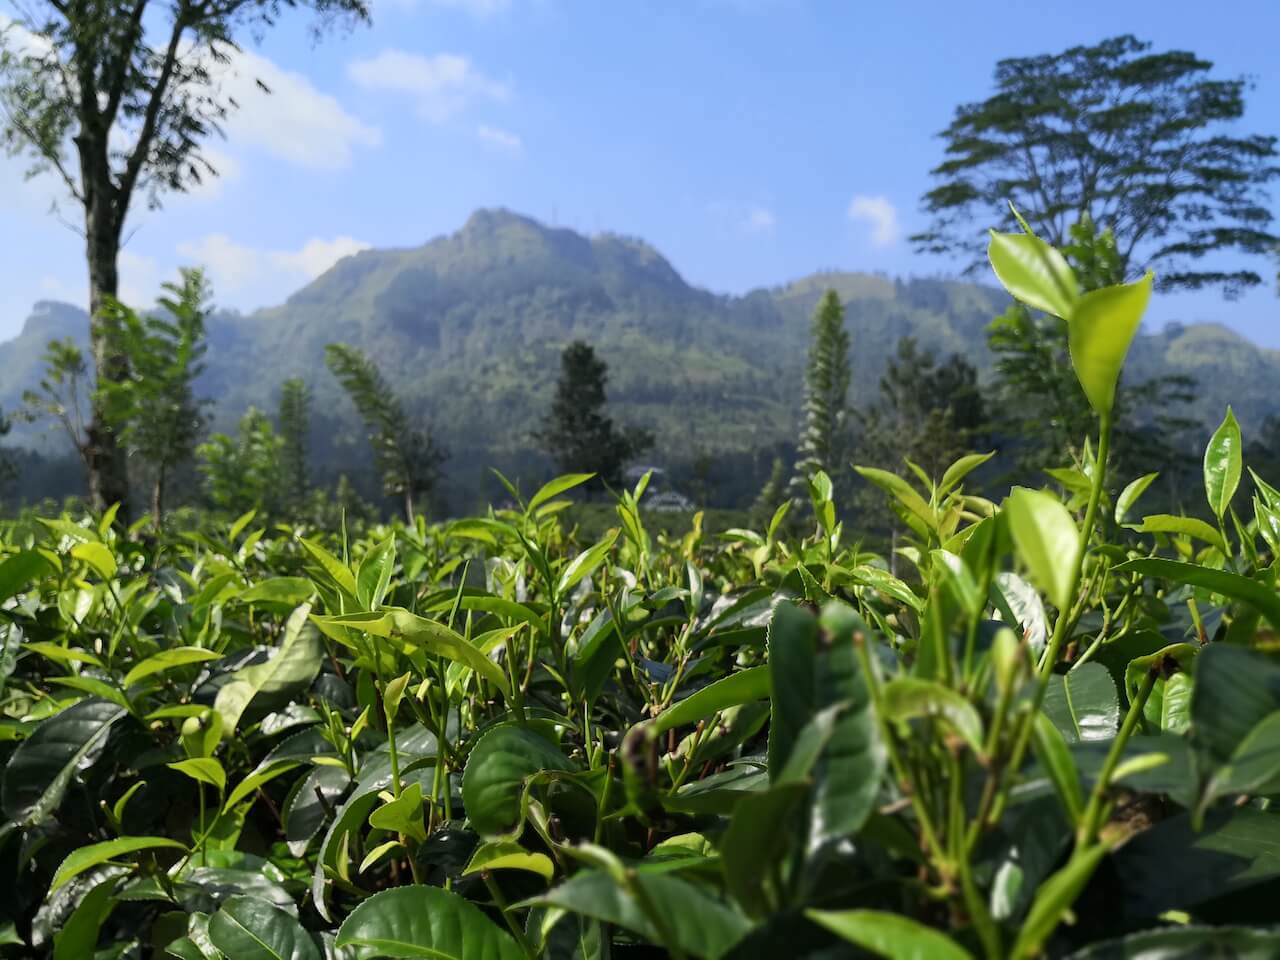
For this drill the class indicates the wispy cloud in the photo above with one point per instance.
(504, 139)
(238, 271)
(880, 214)
(759, 220)
(442, 85)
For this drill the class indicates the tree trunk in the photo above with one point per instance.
(108, 477)
(157, 498)
(408, 507)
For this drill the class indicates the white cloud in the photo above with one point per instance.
(442, 85)
(238, 271)
(139, 278)
(317, 255)
(500, 138)
(759, 220)
(880, 214)
(295, 121)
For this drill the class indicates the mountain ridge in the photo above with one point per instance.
(468, 326)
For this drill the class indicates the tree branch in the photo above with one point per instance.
(138, 158)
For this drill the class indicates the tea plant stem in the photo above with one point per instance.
(905, 782)
(1062, 624)
(1091, 819)
(500, 902)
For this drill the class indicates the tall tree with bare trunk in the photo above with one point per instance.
(116, 98)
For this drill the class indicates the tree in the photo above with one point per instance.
(824, 439)
(930, 413)
(576, 432)
(64, 394)
(407, 458)
(154, 410)
(1042, 408)
(1134, 140)
(294, 420)
(8, 469)
(242, 473)
(115, 98)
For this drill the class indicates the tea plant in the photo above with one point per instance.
(1055, 734)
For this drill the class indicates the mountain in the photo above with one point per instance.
(469, 328)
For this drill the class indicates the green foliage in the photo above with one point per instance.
(1043, 408)
(293, 419)
(154, 410)
(928, 413)
(499, 737)
(243, 472)
(1133, 140)
(407, 458)
(824, 438)
(577, 432)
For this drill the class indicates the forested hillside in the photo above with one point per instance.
(469, 328)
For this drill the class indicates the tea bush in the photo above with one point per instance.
(1056, 732)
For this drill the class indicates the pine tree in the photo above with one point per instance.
(407, 458)
(930, 413)
(824, 440)
(771, 494)
(294, 420)
(577, 432)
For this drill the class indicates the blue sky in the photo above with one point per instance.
(751, 141)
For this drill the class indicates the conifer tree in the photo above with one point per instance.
(407, 457)
(577, 432)
(294, 420)
(824, 439)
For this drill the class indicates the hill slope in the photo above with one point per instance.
(469, 327)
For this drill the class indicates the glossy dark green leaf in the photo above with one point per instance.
(290, 667)
(78, 937)
(1235, 690)
(37, 775)
(1083, 704)
(1262, 598)
(19, 570)
(814, 666)
(498, 768)
(1174, 866)
(1223, 465)
(696, 923)
(90, 856)
(1188, 943)
(421, 921)
(756, 840)
(743, 686)
(251, 929)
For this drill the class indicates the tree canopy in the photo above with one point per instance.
(577, 432)
(1141, 142)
